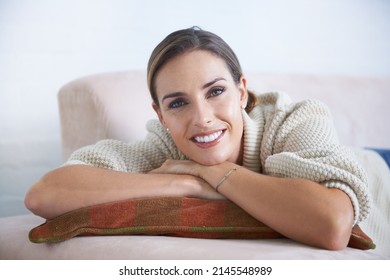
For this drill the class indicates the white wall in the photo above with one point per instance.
(44, 44)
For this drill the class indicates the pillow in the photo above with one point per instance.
(171, 216)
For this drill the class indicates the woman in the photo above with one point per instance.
(280, 161)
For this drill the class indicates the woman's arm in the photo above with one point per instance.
(297, 208)
(72, 187)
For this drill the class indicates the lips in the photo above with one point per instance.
(206, 140)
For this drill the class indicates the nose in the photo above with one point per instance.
(202, 115)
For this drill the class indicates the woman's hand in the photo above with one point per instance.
(200, 187)
(183, 167)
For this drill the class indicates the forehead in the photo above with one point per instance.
(193, 68)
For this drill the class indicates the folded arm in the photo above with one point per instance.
(297, 208)
(72, 187)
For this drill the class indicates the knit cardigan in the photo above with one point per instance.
(281, 138)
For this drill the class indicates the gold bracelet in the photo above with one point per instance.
(225, 177)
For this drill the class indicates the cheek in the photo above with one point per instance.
(232, 113)
(177, 127)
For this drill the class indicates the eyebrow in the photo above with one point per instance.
(177, 94)
(212, 82)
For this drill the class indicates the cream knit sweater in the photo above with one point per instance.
(281, 138)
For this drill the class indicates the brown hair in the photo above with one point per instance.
(194, 38)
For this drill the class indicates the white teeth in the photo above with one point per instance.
(208, 138)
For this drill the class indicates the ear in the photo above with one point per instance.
(243, 92)
(158, 112)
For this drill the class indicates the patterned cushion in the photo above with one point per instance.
(171, 216)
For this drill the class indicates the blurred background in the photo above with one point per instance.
(45, 44)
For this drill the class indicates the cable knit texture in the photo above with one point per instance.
(281, 138)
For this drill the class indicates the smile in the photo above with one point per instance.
(205, 139)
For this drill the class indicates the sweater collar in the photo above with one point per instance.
(253, 134)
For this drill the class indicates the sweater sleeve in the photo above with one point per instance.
(138, 157)
(306, 146)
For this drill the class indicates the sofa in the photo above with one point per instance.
(117, 105)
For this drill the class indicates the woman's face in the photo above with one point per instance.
(201, 106)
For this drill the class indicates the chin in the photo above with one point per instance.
(209, 161)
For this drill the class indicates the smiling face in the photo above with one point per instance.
(201, 106)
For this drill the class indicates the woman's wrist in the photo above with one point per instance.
(225, 177)
(193, 186)
(216, 175)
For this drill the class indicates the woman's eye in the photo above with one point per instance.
(177, 103)
(217, 91)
